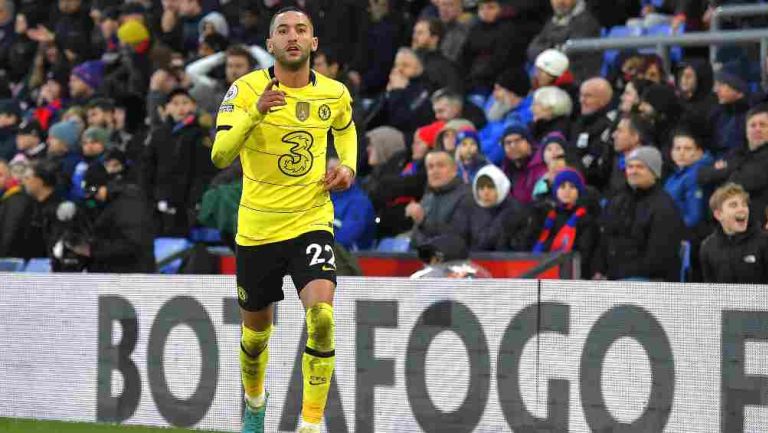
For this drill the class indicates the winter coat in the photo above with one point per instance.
(689, 196)
(440, 206)
(42, 228)
(729, 125)
(489, 49)
(491, 228)
(579, 23)
(406, 109)
(748, 169)
(593, 144)
(703, 101)
(641, 232)
(524, 175)
(354, 219)
(15, 210)
(440, 72)
(454, 38)
(123, 235)
(490, 135)
(541, 128)
(7, 143)
(741, 258)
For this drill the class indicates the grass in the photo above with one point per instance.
(16, 425)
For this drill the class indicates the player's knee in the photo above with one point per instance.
(320, 327)
(254, 342)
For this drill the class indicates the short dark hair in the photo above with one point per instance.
(485, 181)
(757, 109)
(47, 170)
(447, 94)
(288, 9)
(641, 127)
(241, 51)
(686, 131)
(436, 27)
(435, 151)
(330, 55)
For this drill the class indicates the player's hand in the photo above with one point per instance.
(415, 211)
(338, 178)
(270, 98)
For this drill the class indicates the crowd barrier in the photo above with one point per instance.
(412, 355)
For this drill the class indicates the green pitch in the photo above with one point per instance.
(14, 425)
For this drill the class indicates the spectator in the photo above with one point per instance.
(523, 163)
(15, 209)
(128, 74)
(381, 36)
(571, 20)
(457, 25)
(591, 132)
(630, 97)
(729, 115)
(29, 142)
(447, 256)
(551, 112)
(746, 166)
(553, 153)
(122, 240)
(179, 24)
(568, 222)
(72, 29)
(690, 198)
(661, 108)
(238, 61)
(85, 81)
(40, 182)
(438, 70)
(213, 23)
(551, 69)
(177, 164)
(494, 219)
(469, 157)
(405, 104)
(652, 69)
(641, 227)
(436, 214)
(354, 222)
(10, 117)
(509, 104)
(631, 132)
(694, 84)
(63, 142)
(446, 137)
(493, 45)
(737, 251)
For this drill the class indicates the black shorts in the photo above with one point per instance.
(261, 268)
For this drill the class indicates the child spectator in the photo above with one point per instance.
(553, 152)
(468, 155)
(93, 144)
(29, 142)
(688, 156)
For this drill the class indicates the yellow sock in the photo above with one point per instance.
(254, 354)
(318, 361)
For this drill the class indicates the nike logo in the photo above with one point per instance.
(328, 268)
(273, 109)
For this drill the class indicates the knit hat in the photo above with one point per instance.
(554, 137)
(552, 62)
(66, 131)
(217, 20)
(91, 72)
(459, 125)
(429, 132)
(467, 133)
(97, 133)
(385, 142)
(515, 80)
(31, 127)
(518, 129)
(95, 176)
(730, 76)
(568, 175)
(10, 106)
(650, 156)
(132, 32)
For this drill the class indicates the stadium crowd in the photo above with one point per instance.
(472, 123)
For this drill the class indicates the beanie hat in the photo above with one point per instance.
(95, 176)
(648, 155)
(385, 142)
(568, 175)
(97, 133)
(662, 98)
(554, 137)
(66, 131)
(91, 72)
(518, 129)
(515, 80)
(552, 62)
(429, 132)
(132, 32)
(730, 76)
(217, 20)
(10, 106)
(467, 133)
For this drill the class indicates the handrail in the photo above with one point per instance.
(557, 259)
(661, 42)
(732, 11)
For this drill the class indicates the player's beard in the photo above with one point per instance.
(293, 64)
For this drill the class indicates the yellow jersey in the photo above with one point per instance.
(283, 153)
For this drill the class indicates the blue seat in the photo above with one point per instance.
(9, 264)
(394, 245)
(206, 235)
(38, 265)
(685, 260)
(609, 56)
(675, 52)
(165, 248)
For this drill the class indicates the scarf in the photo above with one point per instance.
(564, 239)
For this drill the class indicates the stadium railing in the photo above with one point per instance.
(732, 11)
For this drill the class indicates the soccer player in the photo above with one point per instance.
(277, 121)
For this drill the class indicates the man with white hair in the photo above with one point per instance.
(552, 108)
(570, 20)
(591, 132)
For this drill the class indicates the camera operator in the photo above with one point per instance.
(122, 236)
(40, 181)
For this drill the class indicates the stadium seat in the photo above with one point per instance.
(685, 260)
(9, 264)
(205, 235)
(38, 265)
(394, 245)
(167, 247)
(609, 56)
(675, 52)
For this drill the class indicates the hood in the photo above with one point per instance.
(499, 179)
(704, 77)
(564, 20)
(217, 20)
(385, 141)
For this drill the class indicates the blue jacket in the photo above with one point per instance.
(490, 135)
(354, 219)
(689, 196)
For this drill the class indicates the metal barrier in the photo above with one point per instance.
(733, 11)
(663, 42)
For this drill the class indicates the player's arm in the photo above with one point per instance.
(345, 139)
(237, 116)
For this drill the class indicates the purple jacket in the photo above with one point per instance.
(524, 177)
